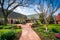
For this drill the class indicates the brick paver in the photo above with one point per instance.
(28, 33)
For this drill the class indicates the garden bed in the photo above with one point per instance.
(50, 35)
(8, 34)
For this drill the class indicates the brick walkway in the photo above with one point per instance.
(28, 33)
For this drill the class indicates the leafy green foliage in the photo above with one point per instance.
(7, 34)
(41, 17)
(50, 35)
(9, 26)
(37, 23)
(54, 30)
(1, 22)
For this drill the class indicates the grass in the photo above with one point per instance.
(7, 30)
(8, 26)
(38, 29)
(52, 26)
(49, 35)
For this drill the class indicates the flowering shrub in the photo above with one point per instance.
(57, 35)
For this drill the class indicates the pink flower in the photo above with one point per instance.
(57, 35)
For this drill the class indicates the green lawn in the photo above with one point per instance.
(50, 34)
(56, 27)
(6, 33)
(52, 26)
(7, 30)
(8, 26)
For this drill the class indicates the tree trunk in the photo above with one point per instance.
(46, 27)
(5, 21)
(55, 20)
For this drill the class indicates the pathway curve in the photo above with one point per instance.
(28, 33)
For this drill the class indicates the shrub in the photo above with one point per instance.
(1, 22)
(17, 22)
(7, 27)
(1, 27)
(8, 36)
(15, 27)
(35, 25)
(57, 36)
(54, 30)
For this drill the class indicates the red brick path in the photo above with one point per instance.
(28, 33)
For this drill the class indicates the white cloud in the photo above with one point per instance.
(57, 12)
(25, 10)
(29, 11)
(13, 5)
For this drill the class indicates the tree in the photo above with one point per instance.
(8, 6)
(41, 17)
(48, 8)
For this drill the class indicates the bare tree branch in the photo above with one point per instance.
(2, 6)
(0, 2)
(9, 4)
(48, 8)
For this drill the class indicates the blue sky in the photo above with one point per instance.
(30, 10)
(27, 10)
